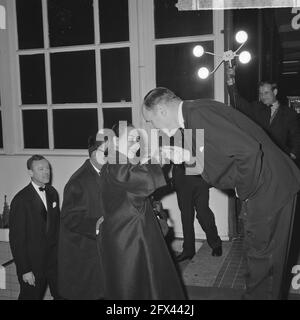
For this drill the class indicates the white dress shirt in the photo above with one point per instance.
(97, 170)
(180, 116)
(100, 220)
(42, 194)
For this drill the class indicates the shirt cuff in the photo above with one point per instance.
(98, 224)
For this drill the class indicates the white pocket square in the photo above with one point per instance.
(54, 204)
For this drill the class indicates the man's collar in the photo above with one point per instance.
(274, 105)
(97, 170)
(180, 116)
(36, 186)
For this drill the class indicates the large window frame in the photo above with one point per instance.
(147, 50)
(142, 44)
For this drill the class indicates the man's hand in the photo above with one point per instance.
(29, 278)
(230, 75)
(176, 154)
(98, 224)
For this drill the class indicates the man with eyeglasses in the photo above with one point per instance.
(79, 262)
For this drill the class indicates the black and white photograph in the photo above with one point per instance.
(149, 153)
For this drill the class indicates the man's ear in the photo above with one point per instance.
(162, 109)
(30, 172)
(275, 92)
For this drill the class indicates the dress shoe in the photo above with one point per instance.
(217, 252)
(183, 256)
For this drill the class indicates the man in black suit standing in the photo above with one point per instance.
(33, 234)
(79, 267)
(193, 194)
(238, 155)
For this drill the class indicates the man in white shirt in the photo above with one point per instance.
(34, 225)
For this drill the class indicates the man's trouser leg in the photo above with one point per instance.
(204, 214)
(184, 198)
(267, 238)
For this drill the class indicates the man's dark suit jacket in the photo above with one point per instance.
(239, 154)
(284, 129)
(79, 268)
(33, 232)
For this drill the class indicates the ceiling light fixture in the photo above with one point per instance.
(244, 57)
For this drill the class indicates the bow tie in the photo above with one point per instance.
(42, 188)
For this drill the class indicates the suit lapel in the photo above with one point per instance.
(278, 115)
(49, 199)
(93, 173)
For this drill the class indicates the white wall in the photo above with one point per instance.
(218, 203)
(13, 177)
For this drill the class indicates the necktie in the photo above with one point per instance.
(274, 109)
(42, 189)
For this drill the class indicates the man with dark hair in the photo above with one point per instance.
(278, 120)
(33, 234)
(238, 155)
(79, 267)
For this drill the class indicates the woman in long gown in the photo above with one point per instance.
(136, 261)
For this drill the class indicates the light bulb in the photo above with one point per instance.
(203, 73)
(245, 57)
(198, 51)
(241, 37)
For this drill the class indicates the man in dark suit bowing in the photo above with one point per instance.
(238, 155)
(79, 267)
(33, 234)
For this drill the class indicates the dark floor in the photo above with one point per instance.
(232, 272)
(218, 278)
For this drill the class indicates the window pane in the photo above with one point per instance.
(35, 129)
(177, 67)
(72, 127)
(73, 77)
(170, 22)
(113, 115)
(70, 22)
(1, 137)
(30, 24)
(33, 83)
(114, 24)
(115, 64)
